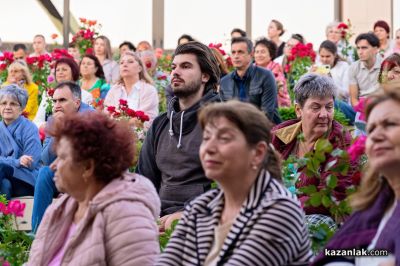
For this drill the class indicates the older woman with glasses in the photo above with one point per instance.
(20, 145)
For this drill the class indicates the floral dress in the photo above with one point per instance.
(99, 91)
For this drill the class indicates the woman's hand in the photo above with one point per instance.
(167, 220)
(26, 160)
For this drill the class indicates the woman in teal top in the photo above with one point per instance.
(92, 79)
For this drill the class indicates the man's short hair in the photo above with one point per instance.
(370, 38)
(240, 31)
(129, 44)
(246, 40)
(206, 60)
(19, 46)
(40, 36)
(73, 87)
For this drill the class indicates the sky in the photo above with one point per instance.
(206, 20)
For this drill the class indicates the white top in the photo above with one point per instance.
(340, 76)
(40, 118)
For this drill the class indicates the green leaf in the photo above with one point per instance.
(326, 201)
(315, 199)
(308, 190)
(331, 181)
(320, 156)
(323, 145)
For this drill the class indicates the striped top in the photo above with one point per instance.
(269, 230)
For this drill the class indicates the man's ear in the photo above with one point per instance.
(205, 77)
(77, 104)
(298, 110)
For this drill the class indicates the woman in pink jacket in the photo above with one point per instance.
(106, 216)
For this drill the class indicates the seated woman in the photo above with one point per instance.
(18, 73)
(264, 54)
(251, 219)
(103, 51)
(135, 86)
(314, 96)
(375, 223)
(65, 69)
(20, 145)
(93, 79)
(390, 69)
(106, 216)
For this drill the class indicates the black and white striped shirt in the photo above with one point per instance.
(269, 230)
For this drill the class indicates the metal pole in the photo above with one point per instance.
(158, 23)
(337, 7)
(248, 18)
(66, 24)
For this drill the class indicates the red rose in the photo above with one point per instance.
(130, 112)
(83, 20)
(50, 92)
(343, 26)
(92, 22)
(3, 66)
(123, 102)
(162, 77)
(111, 109)
(356, 178)
(89, 50)
(148, 64)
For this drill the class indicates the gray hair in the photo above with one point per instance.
(16, 93)
(331, 25)
(314, 85)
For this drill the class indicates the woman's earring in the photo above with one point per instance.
(253, 166)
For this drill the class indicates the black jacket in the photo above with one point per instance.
(170, 155)
(260, 89)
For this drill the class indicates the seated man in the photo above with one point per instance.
(66, 100)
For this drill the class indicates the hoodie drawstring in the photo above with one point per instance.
(171, 132)
(180, 131)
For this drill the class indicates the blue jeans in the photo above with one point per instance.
(45, 190)
(347, 110)
(11, 186)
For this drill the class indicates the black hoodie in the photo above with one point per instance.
(170, 155)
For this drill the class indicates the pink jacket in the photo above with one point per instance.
(119, 227)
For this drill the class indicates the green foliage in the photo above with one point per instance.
(320, 235)
(165, 237)
(14, 244)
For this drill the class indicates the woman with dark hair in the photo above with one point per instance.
(102, 50)
(382, 31)
(107, 215)
(93, 79)
(251, 218)
(184, 39)
(375, 223)
(275, 31)
(390, 69)
(264, 54)
(65, 69)
(333, 65)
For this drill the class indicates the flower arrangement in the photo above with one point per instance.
(84, 38)
(341, 163)
(6, 59)
(137, 118)
(346, 32)
(164, 62)
(14, 244)
(299, 62)
(40, 67)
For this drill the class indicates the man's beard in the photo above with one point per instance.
(188, 89)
